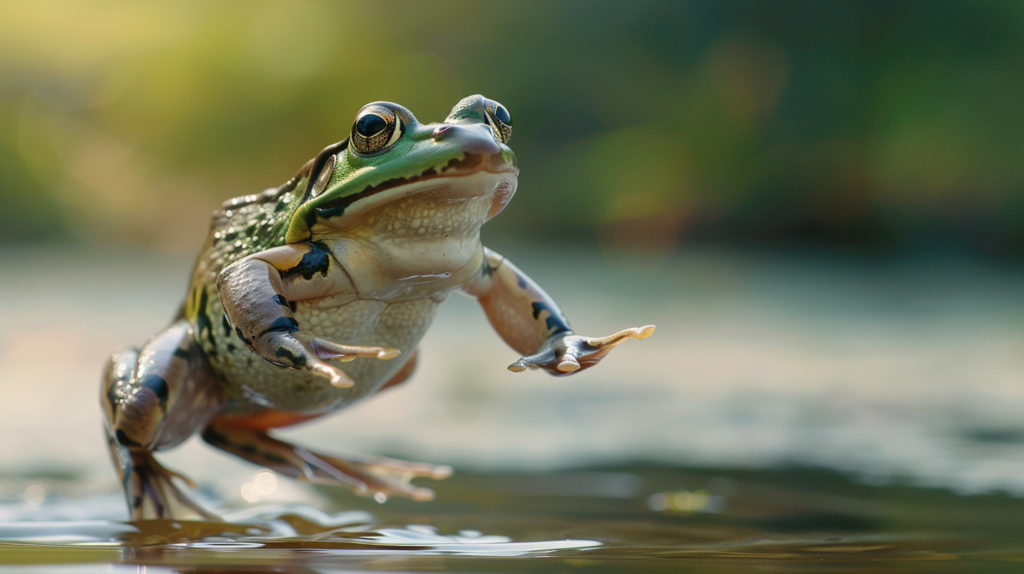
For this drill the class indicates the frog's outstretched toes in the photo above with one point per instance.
(330, 350)
(378, 477)
(158, 497)
(519, 366)
(150, 490)
(612, 340)
(387, 477)
(568, 363)
(337, 377)
(567, 353)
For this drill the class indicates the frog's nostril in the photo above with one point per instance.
(440, 131)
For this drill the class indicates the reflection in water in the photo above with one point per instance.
(649, 518)
(278, 526)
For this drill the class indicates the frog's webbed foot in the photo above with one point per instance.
(150, 489)
(378, 477)
(569, 353)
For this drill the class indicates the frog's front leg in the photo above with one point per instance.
(257, 303)
(154, 398)
(531, 323)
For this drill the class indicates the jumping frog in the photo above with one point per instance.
(313, 295)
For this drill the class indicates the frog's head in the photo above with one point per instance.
(390, 156)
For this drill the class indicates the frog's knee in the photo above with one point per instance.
(138, 419)
(138, 416)
(117, 376)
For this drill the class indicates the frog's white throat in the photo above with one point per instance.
(455, 202)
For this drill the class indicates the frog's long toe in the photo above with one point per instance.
(379, 477)
(631, 333)
(330, 350)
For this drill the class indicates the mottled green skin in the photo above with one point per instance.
(291, 215)
(242, 226)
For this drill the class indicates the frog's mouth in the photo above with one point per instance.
(473, 175)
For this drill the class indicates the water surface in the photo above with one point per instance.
(635, 518)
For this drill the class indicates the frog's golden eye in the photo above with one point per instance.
(376, 128)
(499, 119)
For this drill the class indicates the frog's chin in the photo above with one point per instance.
(449, 188)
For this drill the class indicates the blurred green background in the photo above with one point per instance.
(866, 125)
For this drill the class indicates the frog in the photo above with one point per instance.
(313, 295)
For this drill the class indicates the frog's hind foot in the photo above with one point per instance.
(378, 477)
(150, 490)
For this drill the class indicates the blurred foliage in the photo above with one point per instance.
(880, 125)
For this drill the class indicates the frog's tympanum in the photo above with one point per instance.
(313, 295)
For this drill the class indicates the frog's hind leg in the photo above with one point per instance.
(380, 477)
(154, 398)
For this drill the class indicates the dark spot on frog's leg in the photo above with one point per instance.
(316, 260)
(203, 322)
(486, 269)
(274, 457)
(123, 439)
(553, 320)
(218, 440)
(297, 361)
(181, 353)
(240, 335)
(211, 436)
(282, 325)
(147, 485)
(158, 385)
(280, 300)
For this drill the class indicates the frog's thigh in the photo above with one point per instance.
(158, 396)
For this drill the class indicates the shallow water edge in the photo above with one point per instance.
(638, 517)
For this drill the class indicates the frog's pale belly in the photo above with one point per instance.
(252, 382)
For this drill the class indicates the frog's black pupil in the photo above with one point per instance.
(502, 114)
(370, 125)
